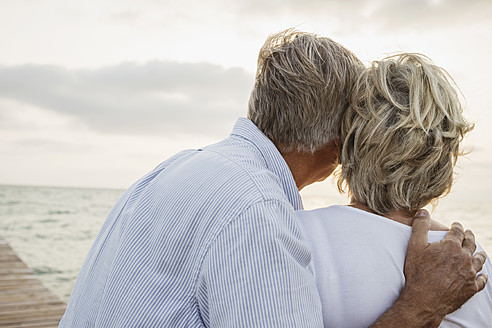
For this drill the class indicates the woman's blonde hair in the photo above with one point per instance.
(401, 135)
(302, 88)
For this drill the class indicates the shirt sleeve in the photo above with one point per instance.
(255, 273)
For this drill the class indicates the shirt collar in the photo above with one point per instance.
(275, 162)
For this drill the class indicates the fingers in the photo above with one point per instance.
(420, 228)
(456, 233)
(478, 260)
(481, 281)
(469, 242)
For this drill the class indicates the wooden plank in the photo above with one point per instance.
(33, 305)
(13, 265)
(34, 297)
(13, 270)
(17, 277)
(24, 300)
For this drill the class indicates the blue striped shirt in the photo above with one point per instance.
(207, 239)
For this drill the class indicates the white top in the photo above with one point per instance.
(358, 260)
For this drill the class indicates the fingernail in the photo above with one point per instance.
(421, 214)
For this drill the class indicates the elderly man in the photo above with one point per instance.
(209, 239)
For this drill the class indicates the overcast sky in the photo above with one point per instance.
(96, 93)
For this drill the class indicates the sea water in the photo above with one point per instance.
(52, 228)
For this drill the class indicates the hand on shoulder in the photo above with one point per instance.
(442, 276)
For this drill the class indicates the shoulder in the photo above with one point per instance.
(324, 226)
(345, 225)
(223, 168)
(242, 161)
(319, 213)
(327, 218)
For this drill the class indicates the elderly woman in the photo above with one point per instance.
(400, 141)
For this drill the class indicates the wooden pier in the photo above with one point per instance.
(24, 300)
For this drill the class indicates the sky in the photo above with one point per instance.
(96, 93)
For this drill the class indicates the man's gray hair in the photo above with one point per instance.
(303, 85)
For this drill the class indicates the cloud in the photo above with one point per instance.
(159, 97)
(382, 15)
(44, 145)
(423, 14)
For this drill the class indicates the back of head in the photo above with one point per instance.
(301, 90)
(401, 135)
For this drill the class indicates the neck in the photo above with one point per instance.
(308, 168)
(403, 217)
(399, 216)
